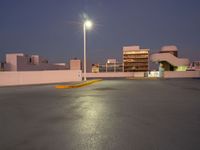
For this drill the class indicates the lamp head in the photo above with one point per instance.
(88, 24)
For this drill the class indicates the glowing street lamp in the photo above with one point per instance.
(86, 25)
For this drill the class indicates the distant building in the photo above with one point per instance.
(111, 61)
(111, 65)
(195, 65)
(95, 68)
(75, 64)
(135, 59)
(23, 62)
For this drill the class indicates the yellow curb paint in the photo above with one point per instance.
(142, 78)
(77, 85)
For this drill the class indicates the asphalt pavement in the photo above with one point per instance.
(108, 115)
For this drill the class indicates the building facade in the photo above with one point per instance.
(111, 65)
(23, 62)
(135, 59)
(75, 64)
(195, 65)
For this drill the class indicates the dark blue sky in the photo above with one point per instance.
(52, 28)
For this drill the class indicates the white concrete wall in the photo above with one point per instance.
(167, 74)
(39, 77)
(182, 74)
(115, 74)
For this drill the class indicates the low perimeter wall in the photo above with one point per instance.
(182, 74)
(167, 74)
(39, 77)
(115, 74)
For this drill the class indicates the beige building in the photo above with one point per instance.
(135, 59)
(23, 62)
(95, 68)
(75, 64)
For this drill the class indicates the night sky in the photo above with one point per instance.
(53, 28)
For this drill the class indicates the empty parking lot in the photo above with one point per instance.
(112, 114)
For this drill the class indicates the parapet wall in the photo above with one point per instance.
(182, 74)
(115, 74)
(167, 74)
(39, 77)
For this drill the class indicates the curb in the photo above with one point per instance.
(143, 78)
(77, 85)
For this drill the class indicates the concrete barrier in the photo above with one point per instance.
(115, 74)
(39, 77)
(167, 74)
(182, 74)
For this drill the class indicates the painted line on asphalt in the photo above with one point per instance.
(77, 85)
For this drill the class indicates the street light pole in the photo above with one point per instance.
(86, 25)
(84, 34)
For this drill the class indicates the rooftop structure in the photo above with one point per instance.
(172, 49)
(168, 59)
(169, 48)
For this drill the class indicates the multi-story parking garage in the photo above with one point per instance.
(135, 59)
